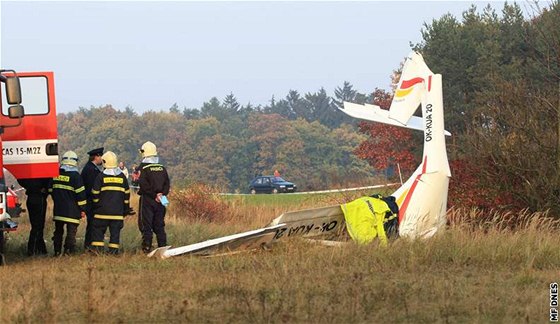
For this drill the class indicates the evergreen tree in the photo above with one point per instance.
(230, 104)
(344, 93)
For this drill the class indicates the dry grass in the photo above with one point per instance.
(469, 273)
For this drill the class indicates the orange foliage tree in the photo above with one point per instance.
(386, 145)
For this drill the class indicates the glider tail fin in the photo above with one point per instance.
(408, 95)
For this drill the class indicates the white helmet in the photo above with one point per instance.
(109, 160)
(70, 158)
(148, 149)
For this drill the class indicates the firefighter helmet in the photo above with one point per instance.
(109, 160)
(148, 149)
(70, 158)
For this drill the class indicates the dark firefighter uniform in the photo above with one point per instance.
(111, 196)
(153, 180)
(69, 196)
(37, 192)
(89, 174)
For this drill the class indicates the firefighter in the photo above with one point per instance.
(69, 196)
(111, 195)
(37, 192)
(154, 187)
(89, 174)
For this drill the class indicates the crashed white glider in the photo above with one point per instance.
(422, 199)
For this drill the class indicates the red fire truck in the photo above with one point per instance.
(28, 136)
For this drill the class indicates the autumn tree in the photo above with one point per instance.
(501, 94)
(386, 146)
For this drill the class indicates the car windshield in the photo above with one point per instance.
(278, 179)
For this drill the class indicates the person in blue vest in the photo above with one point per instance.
(69, 197)
(111, 195)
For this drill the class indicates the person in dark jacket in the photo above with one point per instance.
(89, 173)
(111, 195)
(154, 187)
(68, 194)
(37, 192)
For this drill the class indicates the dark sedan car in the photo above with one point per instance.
(271, 184)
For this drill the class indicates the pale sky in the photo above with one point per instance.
(150, 55)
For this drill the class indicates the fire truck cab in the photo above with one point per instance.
(28, 137)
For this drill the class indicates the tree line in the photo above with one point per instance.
(225, 144)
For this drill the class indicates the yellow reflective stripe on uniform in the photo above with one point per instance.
(152, 165)
(112, 188)
(98, 243)
(82, 202)
(113, 245)
(82, 188)
(62, 178)
(393, 216)
(114, 217)
(127, 191)
(113, 180)
(96, 200)
(50, 189)
(126, 201)
(95, 192)
(66, 219)
(61, 186)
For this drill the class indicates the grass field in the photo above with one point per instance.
(290, 200)
(468, 273)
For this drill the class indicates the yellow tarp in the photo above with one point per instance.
(364, 219)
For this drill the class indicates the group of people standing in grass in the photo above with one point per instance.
(101, 194)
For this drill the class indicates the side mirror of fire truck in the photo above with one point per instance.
(13, 96)
(13, 90)
(16, 111)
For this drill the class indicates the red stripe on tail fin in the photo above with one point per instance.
(402, 210)
(429, 83)
(409, 83)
